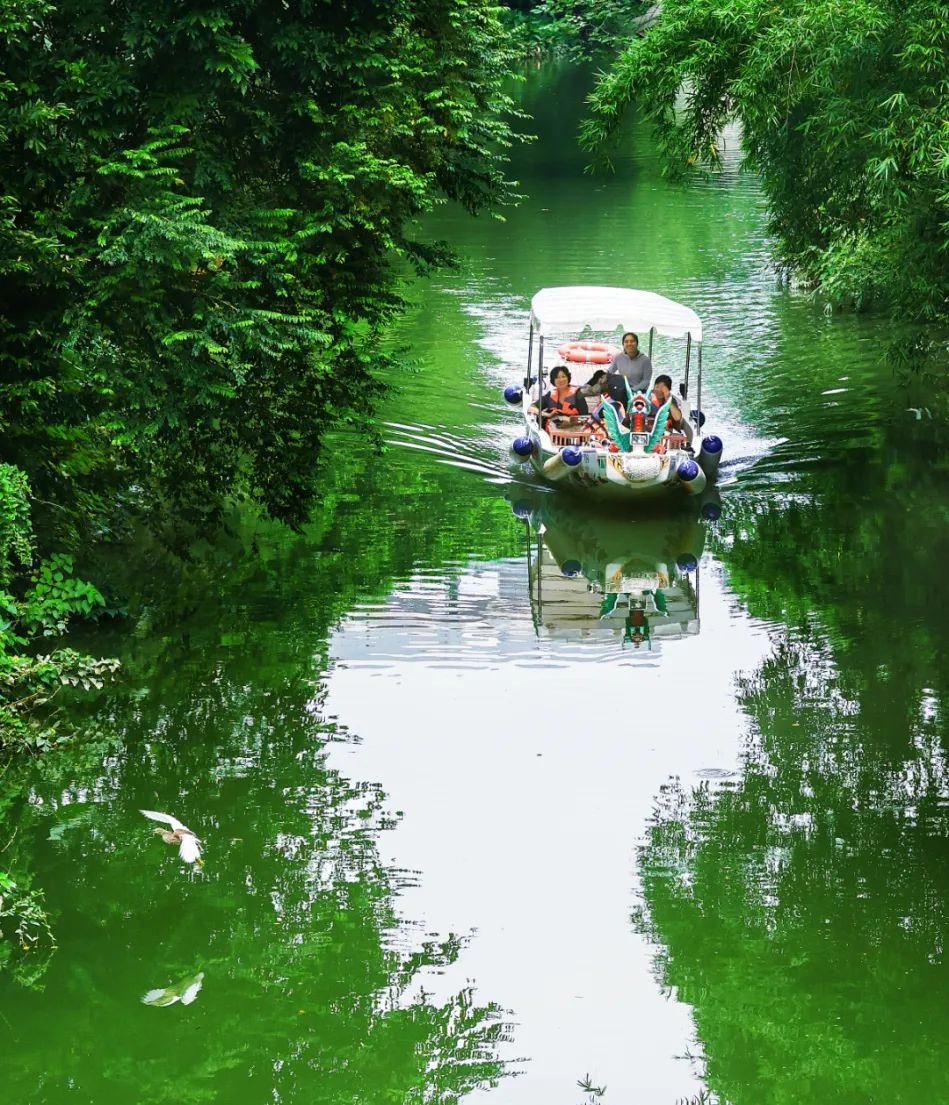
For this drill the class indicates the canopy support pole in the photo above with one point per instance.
(540, 376)
(688, 353)
(530, 350)
(652, 334)
(699, 398)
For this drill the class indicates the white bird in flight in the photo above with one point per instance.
(184, 991)
(189, 845)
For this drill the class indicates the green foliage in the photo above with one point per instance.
(205, 216)
(844, 114)
(575, 28)
(16, 531)
(33, 606)
(26, 940)
(55, 595)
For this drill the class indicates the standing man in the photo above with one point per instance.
(635, 366)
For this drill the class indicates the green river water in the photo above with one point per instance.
(457, 846)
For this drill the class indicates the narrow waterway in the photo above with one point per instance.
(468, 840)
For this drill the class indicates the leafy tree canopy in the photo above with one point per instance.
(204, 210)
(576, 28)
(844, 113)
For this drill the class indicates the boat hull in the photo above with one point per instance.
(601, 476)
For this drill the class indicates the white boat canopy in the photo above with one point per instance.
(562, 311)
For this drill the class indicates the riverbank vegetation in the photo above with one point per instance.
(225, 600)
(843, 112)
(572, 28)
(205, 217)
(36, 605)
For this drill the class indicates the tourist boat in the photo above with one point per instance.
(594, 575)
(631, 462)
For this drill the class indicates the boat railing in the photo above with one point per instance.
(571, 435)
(583, 435)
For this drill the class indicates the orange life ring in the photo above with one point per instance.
(587, 352)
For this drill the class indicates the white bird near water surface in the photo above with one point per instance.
(176, 833)
(184, 991)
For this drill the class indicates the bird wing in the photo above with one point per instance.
(190, 849)
(166, 819)
(191, 991)
(163, 997)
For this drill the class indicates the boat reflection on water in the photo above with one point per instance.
(599, 575)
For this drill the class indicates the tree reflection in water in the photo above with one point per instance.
(802, 910)
(314, 988)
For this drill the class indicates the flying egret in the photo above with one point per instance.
(184, 991)
(190, 845)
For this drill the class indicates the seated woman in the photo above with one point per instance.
(563, 401)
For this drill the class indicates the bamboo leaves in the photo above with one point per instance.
(843, 109)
